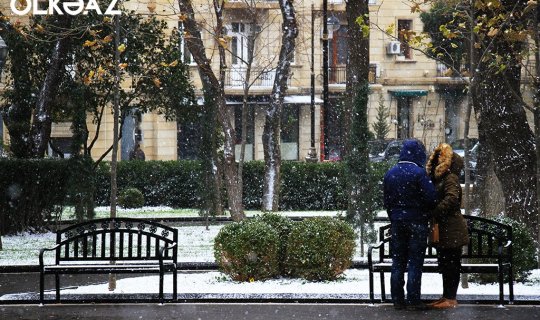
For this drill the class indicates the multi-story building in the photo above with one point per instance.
(422, 102)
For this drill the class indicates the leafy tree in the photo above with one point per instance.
(149, 60)
(500, 31)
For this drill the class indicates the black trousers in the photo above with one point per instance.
(450, 265)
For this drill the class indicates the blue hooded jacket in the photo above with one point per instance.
(409, 194)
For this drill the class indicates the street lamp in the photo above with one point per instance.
(333, 23)
(3, 57)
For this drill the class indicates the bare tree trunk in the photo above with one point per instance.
(272, 124)
(213, 87)
(41, 120)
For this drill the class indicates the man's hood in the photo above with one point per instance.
(413, 150)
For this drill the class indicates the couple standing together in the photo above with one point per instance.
(414, 192)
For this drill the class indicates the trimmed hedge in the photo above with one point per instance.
(131, 198)
(248, 250)
(305, 186)
(35, 190)
(320, 248)
(270, 245)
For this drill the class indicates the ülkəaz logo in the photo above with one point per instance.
(72, 8)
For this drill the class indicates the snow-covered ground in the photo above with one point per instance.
(196, 243)
(354, 283)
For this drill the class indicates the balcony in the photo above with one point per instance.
(338, 75)
(236, 77)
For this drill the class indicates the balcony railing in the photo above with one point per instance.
(236, 77)
(338, 75)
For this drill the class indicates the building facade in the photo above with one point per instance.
(422, 101)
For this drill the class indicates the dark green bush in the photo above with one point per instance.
(283, 226)
(163, 183)
(32, 192)
(247, 250)
(131, 198)
(320, 248)
(313, 186)
(523, 251)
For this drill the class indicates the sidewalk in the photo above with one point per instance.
(261, 311)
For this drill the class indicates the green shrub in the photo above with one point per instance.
(320, 248)
(131, 198)
(523, 251)
(33, 192)
(283, 226)
(247, 250)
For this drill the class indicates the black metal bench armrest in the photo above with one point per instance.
(42, 252)
(370, 252)
(162, 251)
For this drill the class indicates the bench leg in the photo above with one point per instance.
(161, 286)
(57, 283)
(511, 285)
(501, 286)
(371, 289)
(41, 286)
(383, 291)
(175, 285)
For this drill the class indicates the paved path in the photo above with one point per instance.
(259, 311)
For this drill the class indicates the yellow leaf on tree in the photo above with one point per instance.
(89, 43)
(157, 82)
(122, 48)
(390, 29)
(39, 28)
(182, 17)
(222, 42)
(108, 39)
(163, 64)
(493, 32)
(123, 65)
(173, 64)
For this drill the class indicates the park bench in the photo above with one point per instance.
(115, 246)
(489, 251)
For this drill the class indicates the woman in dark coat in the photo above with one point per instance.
(444, 167)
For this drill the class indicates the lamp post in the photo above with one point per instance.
(312, 153)
(333, 22)
(3, 57)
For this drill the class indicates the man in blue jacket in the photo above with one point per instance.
(409, 195)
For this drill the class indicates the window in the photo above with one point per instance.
(248, 156)
(239, 43)
(189, 139)
(184, 51)
(289, 132)
(60, 147)
(404, 33)
(337, 56)
(131, 133)
(404, 116)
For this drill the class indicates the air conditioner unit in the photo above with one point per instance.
(394, 47)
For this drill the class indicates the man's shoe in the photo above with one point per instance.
(420, 306)
(431, 304)
(399, 306)
(446, 304)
